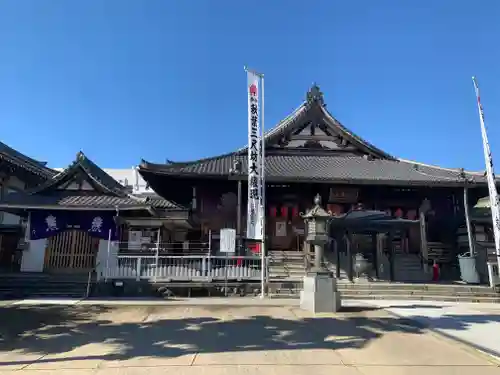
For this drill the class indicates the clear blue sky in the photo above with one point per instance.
(124, 80)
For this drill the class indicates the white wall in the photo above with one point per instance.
(127, 177)
(33, 256)
(103, 260)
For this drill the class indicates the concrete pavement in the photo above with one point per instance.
(475, 324)
(223, 339)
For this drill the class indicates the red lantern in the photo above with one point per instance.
(398, 213)
(284, 212)
(295, 211)
(273, 211)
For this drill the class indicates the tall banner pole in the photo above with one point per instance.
(490, 175)
(263, 196)
(256, 185)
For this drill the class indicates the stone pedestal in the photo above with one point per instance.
(320, 294)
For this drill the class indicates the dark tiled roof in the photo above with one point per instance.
(156, 201)
(98, 176)
(22, 161)
(70, 199)
(332, 166)
(323, 168)
(315, 108)
(109, 194)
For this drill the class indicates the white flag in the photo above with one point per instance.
(490, 175)
(254, 214)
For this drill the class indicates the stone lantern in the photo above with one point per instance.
(316, 220)
(320, 292)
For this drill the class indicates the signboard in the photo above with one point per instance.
(281, 229)
(227, 240)
(254, 210)
(344, 195)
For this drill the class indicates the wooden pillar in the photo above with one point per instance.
(375, 255)
(425, 206)
(390, 238)
(470, 235)
(350, 270)
(424, 250)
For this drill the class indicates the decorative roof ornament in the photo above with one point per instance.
(315, 95)
(316, 211)
(461, 173)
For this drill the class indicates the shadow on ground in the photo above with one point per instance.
(60, 329)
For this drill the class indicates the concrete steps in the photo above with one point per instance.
(28, 285)
(397, 291)
(285, 264)
(408, 267)
(426, 297)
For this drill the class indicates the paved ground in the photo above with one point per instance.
(184, 339)
(477, 324)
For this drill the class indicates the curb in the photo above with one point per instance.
(160, 303)
(418, 324)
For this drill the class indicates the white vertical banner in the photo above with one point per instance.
(254, 210)
(490, 175)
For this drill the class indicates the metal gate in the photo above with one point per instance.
(71, 250)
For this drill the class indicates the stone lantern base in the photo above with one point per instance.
(320, 294)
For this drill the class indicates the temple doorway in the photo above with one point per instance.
(70, 251)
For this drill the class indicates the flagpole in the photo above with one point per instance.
(490, 175)
(263, 188)
(263, 208)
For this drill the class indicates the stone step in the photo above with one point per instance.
(431, 288)
(279, 268)
(286, 256)
(25, 285)
(285, 259)
(295, 272)
(417, 293)
(388, 297)
(282, 275)
(408, 287)
(424, 297)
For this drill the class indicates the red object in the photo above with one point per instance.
(435, 272)
(239, 261)
(398, 213)
(335, 209)
(295, 211)
(273, 211)
(253, 90)
(284, 212)
(254, 248)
